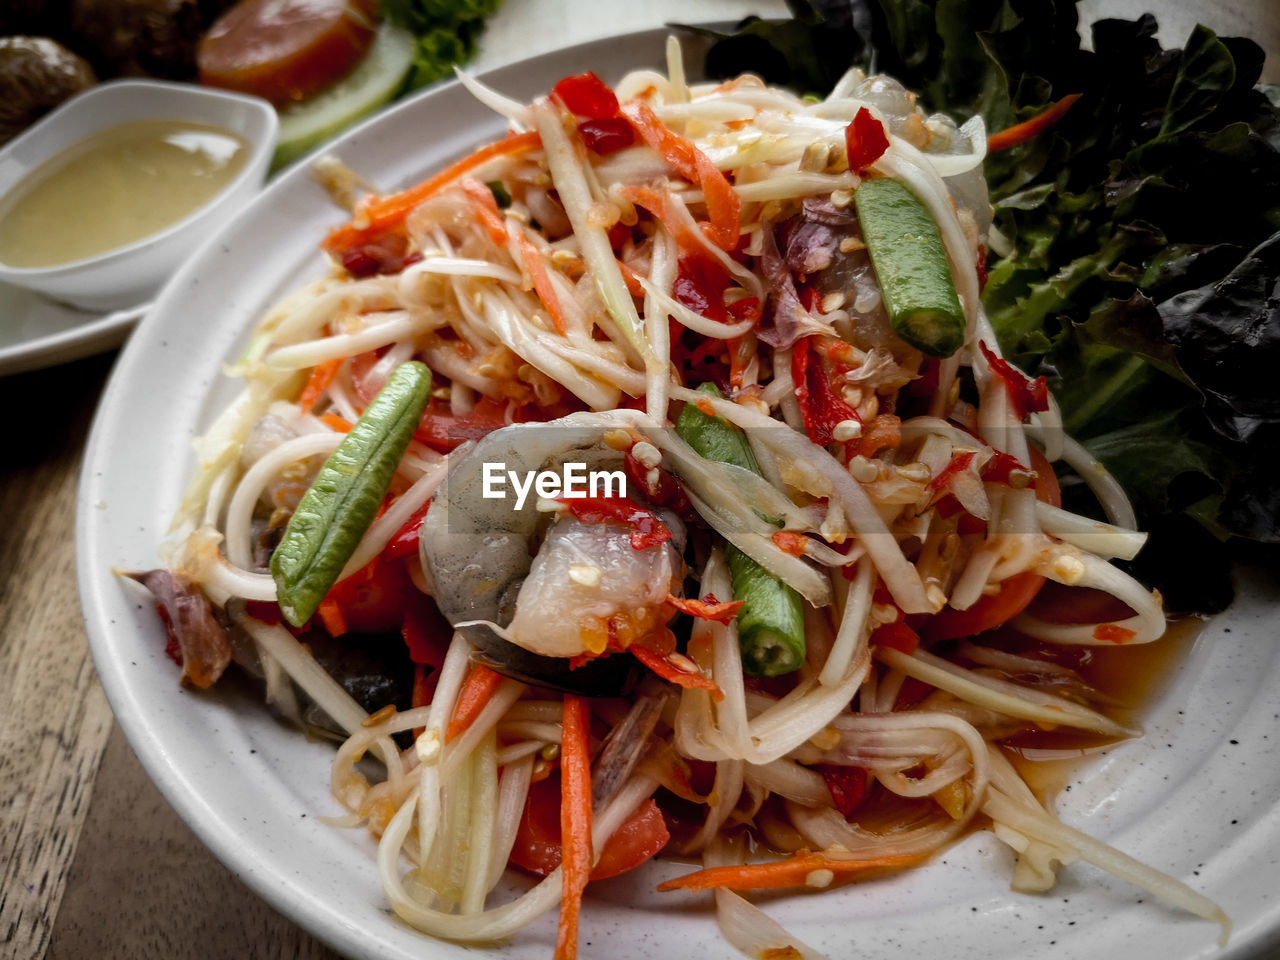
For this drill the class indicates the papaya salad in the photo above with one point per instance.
(667, 442)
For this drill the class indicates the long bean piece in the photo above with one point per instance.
(343, 500)
(771, 621)
(911, 266)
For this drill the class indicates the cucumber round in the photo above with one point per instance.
(375, 80)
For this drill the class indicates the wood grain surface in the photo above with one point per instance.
(122, 876)
(54, 718)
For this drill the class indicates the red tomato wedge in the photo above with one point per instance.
(537, 847)
(1015, 593)
(374, 600)
(286, 50)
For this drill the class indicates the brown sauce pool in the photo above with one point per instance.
(1130, 677)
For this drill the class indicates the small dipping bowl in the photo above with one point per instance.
(131, 274)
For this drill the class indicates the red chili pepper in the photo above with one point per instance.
(606, 135)
(958, 465)
(441, 430)
(865, 140)
(746, 308)
(646, 529)
(426, 632)
(948, 506)
(896, 636)
(707, 608)
(847, 785)
(1113, 633)
(820, 405)
(664, 491)
(700, 359)
(881, 595)
(619, 234)
(267, 611)
(384, 254)
(700, 285)
(1025, 394)
(677, 675)
(586, 95)
(790, 542)
(1000, 466)
(405, 540)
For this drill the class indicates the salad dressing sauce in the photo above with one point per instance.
(1048, 760)
(1134, 677)
(116, 187)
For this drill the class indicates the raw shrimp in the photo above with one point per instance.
(552, 604)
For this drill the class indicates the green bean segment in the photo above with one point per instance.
(911, 267)
(714, 437)
(343, 500)
(771, 621)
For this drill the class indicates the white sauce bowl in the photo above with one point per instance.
(131, 274)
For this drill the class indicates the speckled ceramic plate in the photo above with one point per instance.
(1197, 796)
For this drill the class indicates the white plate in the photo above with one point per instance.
(1187, 798)
(37, 332)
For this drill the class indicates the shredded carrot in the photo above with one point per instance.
(803, 869)
(537, 270)
(337, 423)
(724, 206)
(486, 208)
(575, 820)
(1028, 129)
(479, 688)
(331, 616)
(667, 670)
(658, 204)
(632, 280)
(385, 213)
(321, 377)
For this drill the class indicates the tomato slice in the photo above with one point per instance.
(375, 601)
(537, 846)
(441, 430)
(1016, 593)
(286, 50)
(586, 95)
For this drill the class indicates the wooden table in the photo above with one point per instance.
(93, 863)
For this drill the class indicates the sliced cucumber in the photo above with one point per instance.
(375, 80)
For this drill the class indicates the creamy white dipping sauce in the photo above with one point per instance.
(116, 187)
